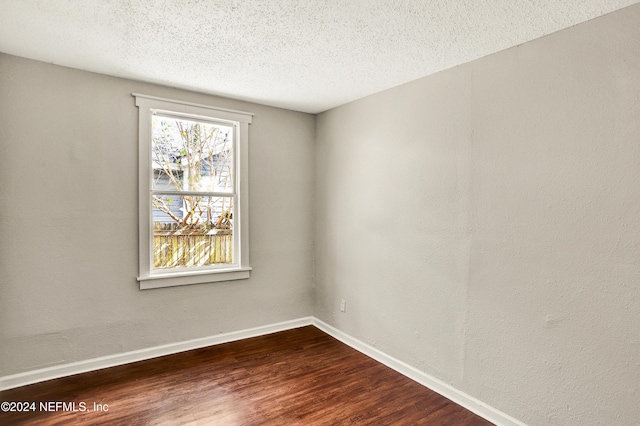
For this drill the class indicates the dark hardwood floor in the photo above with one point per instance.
(295, 377)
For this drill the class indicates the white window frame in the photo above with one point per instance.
(240, 269)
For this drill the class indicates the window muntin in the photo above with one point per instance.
(193, 193)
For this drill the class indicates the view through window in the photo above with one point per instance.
(192, 192)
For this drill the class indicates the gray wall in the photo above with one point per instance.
(483, 224)
(68, 222)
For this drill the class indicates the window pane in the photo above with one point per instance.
(191, 156)
(192, 231)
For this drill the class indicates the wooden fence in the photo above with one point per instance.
(173, 247)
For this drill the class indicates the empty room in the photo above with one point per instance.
(320, 212)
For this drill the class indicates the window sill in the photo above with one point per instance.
(188, 278)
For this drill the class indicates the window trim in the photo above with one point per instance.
(241, 269)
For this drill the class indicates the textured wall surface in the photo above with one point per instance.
(483, 224)
(68, 223)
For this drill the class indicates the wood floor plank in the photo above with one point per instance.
(295, 377)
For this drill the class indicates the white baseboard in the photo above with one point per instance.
(467, 401)
(436, 385)
(57, 371)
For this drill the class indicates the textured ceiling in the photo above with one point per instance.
(306, 55)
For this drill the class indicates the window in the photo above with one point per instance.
(193, 193)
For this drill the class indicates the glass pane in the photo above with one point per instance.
(192, 231)
(191, 156)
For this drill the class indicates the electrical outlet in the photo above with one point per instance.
(343, 305)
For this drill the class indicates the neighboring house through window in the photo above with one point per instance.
(193, 193)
